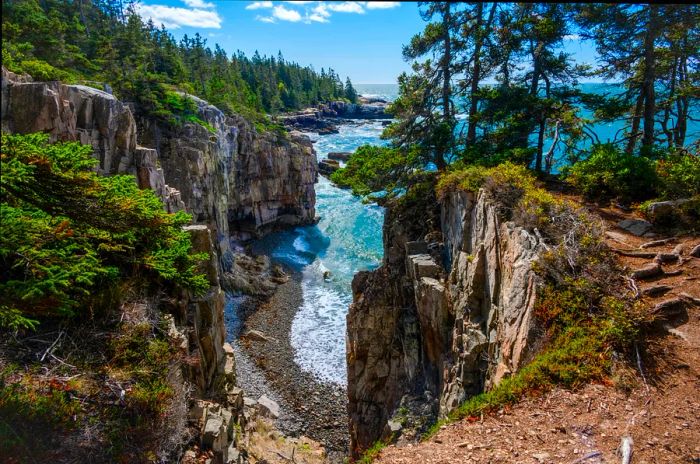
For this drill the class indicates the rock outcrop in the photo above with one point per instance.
(323, 118)
(448, 314)
(241, 183)
(71, 112)
(235, 181)
(238, 181)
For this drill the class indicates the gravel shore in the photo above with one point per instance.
(309, 407)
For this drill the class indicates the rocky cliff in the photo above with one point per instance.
(448, 314)
(235, 181)
(240, 182)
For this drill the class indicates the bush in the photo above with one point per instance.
(68, 232)
(516, 190)
(679, 175)
(374, 169)
(611, 173)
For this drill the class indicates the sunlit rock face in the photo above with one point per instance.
(448, 314)
(240, 182)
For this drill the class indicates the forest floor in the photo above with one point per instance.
(659, 410)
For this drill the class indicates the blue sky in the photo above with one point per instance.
(361, 40)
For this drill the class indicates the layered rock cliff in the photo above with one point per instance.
(240, 182)
(448, 314)
(235, 181)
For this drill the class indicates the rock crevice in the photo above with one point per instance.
(447, 315)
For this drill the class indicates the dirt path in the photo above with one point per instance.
(660, 412)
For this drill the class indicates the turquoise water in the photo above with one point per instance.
(347, 239)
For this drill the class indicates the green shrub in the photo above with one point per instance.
(43, 71)
(679, 175)
(517, 191)
(374, 169)
(68, 232)
(612, 173)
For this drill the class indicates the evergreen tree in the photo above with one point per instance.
(350, 92)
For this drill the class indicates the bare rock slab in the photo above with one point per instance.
(268, 408)
(636, 227)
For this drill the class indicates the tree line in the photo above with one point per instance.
(106, 41)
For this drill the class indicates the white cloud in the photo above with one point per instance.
(572, 37)
(321, 10)
(381, 5)
(174, 17)
(198, 4)
(312, 12)
(315, 17)
(258, 5)
(285, 14)
(346, 7)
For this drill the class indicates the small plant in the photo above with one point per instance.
(679, 175)
(373, 452)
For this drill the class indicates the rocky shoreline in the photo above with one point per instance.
(324, 119)
(307, 407)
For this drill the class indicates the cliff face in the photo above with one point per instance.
(236, 182)
(448, 314)
(239, 182)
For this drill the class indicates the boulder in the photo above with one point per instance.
(663, 211)
(328, 166)
(695, 252)
(268, 408)
(340, 156)
(636, 227)
(256, 335)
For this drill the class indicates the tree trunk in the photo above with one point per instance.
(540, 145)
(476, 77)
(649, 77)
(446, 76)
(636, 118)
(481, 30)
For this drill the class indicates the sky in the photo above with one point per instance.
(358, 39)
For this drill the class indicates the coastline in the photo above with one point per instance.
(308, 407)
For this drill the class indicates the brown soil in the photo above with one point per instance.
(660, 411)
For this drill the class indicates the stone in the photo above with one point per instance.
(340, 156)
(695, 252)
(268, 408)
(636, 227)
(234, 398)
(394, 427)
(328, 166)
(256, 335)
(214, 433)
(664, 211)
(234, 456)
